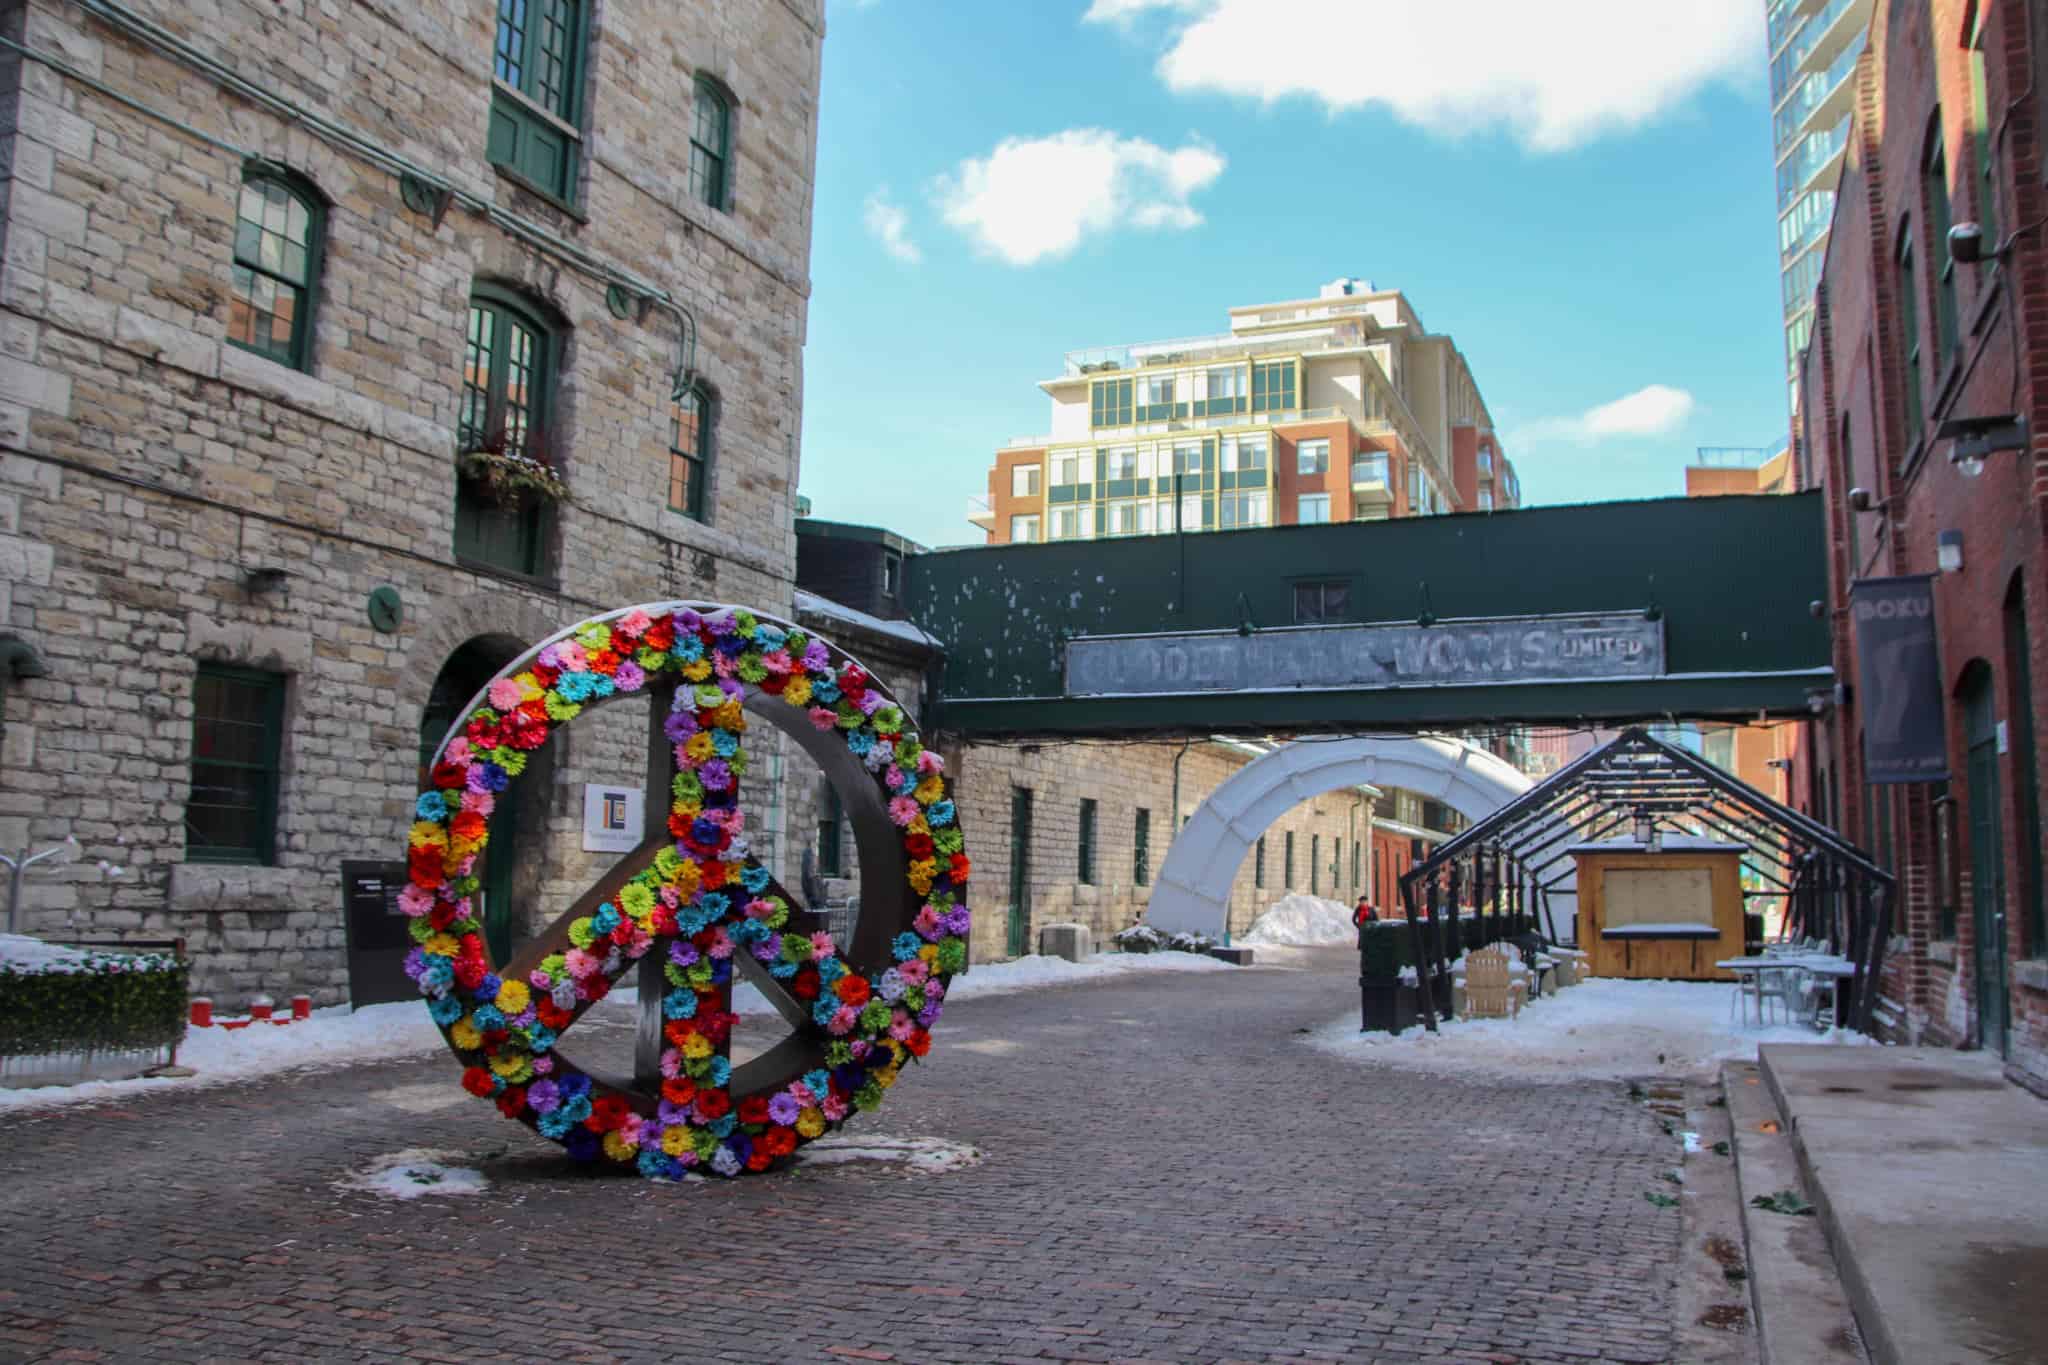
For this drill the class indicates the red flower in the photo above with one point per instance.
(919, 1042)
(713, 1104)
(958, 868)
(678, 825)
(597, 988)
(853, 680)
(664, 922)
(603, 661)
(450, 775)
(551, 1014)
(469, 973)
(777, 1141)
(530, 738)
(512, 1101)
(425, 866)
(622, 932)
(754, 1109)
(805, 985)
(661, 634)
(715, 1026)
(681, 1090)
(607, 1113)
(676, 1030)
(467, 825)
(442, 915)
(851, 990)
(919, 845)
(759, 1158)
(545, 676)
(775, 682)
(477, 1081)
(714, 871)
(534, 710)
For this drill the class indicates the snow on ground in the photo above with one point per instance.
(926, 1156)
(1299, 921)
(416, 1173)
(332, 1037)
(1030, 973)
(1605, 1029)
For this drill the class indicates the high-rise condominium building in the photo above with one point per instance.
(1336, 408)
(1814, 46)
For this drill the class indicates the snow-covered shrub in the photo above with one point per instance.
(1139, 938)
(57, 999)
(1185, 942)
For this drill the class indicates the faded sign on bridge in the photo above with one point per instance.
(1589, 647)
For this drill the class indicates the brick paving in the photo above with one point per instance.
(1170, 1175)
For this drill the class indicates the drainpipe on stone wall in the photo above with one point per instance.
(1173, 819)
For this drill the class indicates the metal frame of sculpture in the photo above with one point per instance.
(690, 908)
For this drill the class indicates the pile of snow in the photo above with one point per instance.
(1299, 921)
(416, 1173)
(926, 1156)
(33, 957)
(1604, 1029)
(332, 1037)
(1030, 973)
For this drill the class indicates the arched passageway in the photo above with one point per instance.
(1193, 888)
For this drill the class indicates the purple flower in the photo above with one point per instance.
(959, 920)
(629, 677)
(715, 775)
(784, 1109)
(415, 963)
(682, 953)
(929, 1015)
(672, 1115)
(870, 702)
(688, 620)
(543, 1097)
(816, 657)
(734, 689)
(680, 725)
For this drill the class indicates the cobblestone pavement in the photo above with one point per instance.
(1170, 1175)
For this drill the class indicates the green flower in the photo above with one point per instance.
(750, 669)
(952, 955)
(635, 899)
(868, 1096)
(652, 660)
(889, 719)
(581, 932)
(907, 751)
(948, 840)
(746, 623)
(874, 1016)
(420, 929)
(838, 1053)
(676, 975)
(708, 696)
(554, 964)
(595, 636)
(559, 710)
(667, 863)
(795, 947)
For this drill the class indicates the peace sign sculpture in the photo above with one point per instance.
(691, 906)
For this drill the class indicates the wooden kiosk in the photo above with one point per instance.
(1668, 910)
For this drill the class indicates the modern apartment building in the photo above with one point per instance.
(1341, 407)
(1814, 45)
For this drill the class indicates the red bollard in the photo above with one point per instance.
(260, 1007)
(302, 1007)
(202, 1012)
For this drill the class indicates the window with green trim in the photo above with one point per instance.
(1085, 872)
(1980, 134)
(710, 144)
(1110, 403)
(536, 101)
(1259, 864)
(1287, 861)
(1909, 324)
(689, 451)
(508, 376)
(1141, 849)
(1273, 387)
(1940, 215)
(279, 223)
(237, 754)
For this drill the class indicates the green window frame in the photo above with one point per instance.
(1287, 861)
(237, 764)
(1315, 864)
(692, 430)
(510, 358)
(1111, 403)
(1085, 871)
(1939, 211)
(537, 67)
(1141, 848)
(280, 232)
(710, 143)
(1980, 134)
(1273, 387)
(1909, 324)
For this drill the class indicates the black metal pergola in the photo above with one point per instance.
(1508, 863)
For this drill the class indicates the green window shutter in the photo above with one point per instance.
(507, 390)
(237, 752)
(280, 226)
(539, 52)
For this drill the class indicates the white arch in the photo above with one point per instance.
(1193, 887)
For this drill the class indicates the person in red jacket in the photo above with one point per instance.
(1363, 913)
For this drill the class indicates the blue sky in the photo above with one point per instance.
(1581, 197)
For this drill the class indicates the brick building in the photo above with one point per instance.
(1913, 348)
(344, 351)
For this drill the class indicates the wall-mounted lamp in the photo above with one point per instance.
(1425, 615)
(1245, 625)
(1783, 765)
(1975, 439)
(1861, 501)
(1816, 609)
(1948, 551)
(18, 659)
(1818, 702)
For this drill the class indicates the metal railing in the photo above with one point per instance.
(1333, 336)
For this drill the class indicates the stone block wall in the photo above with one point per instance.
(147, 464)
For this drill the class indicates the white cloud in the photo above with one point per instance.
(1653, 410)
(1035, 199)
(890, 226)
(1552, 74)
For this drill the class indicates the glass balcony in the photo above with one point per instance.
(1817, 90)
(1820, 148)
(979, 513)
(1369, 479)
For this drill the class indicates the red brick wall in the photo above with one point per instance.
(1915, 65)
(1003, 503)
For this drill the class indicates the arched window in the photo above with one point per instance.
(1909, 326)
(536, 130)
(279, 223)
(710, 144)
(691, 423)
(509, 361)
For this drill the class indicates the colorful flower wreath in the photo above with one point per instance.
(698, 902)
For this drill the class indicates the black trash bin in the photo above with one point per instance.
(1385, 1003)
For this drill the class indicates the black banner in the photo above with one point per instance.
(1899, 679)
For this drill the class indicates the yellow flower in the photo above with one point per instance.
(921, 873)
(513, 997)
(529, 686)
(885, 1077)
(443, 944)
(697, 748)
(675, 1141)
(696, 1045)
(929, 790)
(918, 825)
(798, 692)
(688, 877)
(426, 834)
(930, 953)
(465, 1034)
(617, 1148)
(697, 670)
(811, 1121)
(510, 1065)
(731, 716)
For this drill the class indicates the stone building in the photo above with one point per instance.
(1923, 408)
(345, 350)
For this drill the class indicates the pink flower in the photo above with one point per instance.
(927, 922)
(542, 1065)
(415, 901)
(670, 897)
(900, 1026)
(914, 971)
(638, 945)
(635, 622)
(930, 764)
(482, 803)
(834, 1107)
(458, 750)
(934, 991)
(843, 1019)
(760, 908)
(572, 657)
(801, 1093)
(721, 946)
(506, 695)
(822, 945)
(894, 777)
(630, 1129)
(823, 718)
(724, 665)
(539, 980)
(671, 1063)
(580, 962)
(902, 810)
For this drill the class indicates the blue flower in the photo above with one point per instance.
(905, 946)
(823, 1010)
(495, 778)
(694, 919)
(818, 1082)
(577, 1109)
(721, 1071)
(688, 648)
(715, 903)
(860, 741)
(541, 1038)
(939, 813)
(679, 1004)
(830, 969)
(581, 1144)
(725, 743)
(430, 806)
(489, 1017)
(606, 919)
(723, 1125)
(555, 1125)
(781, 970)
(653, 1163)
(445, 1010)
(825, 691)
(438, 975)
(756, 880)
(770, 638)
(747, 931)
(573, 1087)
(487, 989)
